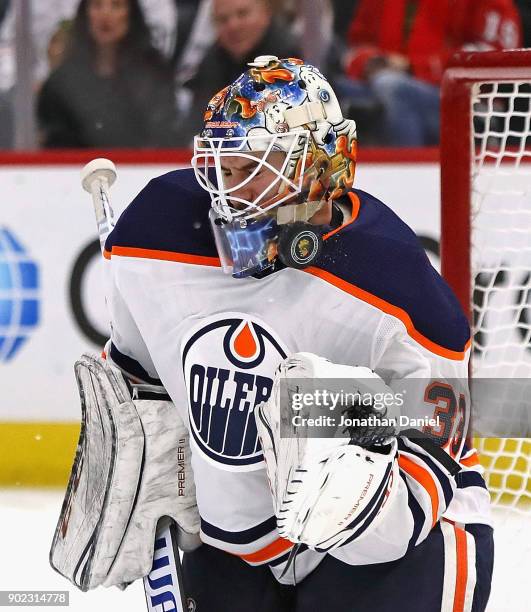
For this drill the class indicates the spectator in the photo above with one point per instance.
(524, 8)
(244, 29)
(311, 22)
(343, 11)
(399, 50)
(46, 16)
(113, 89)
(58, 44)
(195, 36)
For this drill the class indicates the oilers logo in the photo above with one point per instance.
(229, 361)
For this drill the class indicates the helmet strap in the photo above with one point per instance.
(291, 213)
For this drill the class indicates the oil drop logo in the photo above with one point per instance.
(229, 361)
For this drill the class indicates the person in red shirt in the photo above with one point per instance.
(399, 49)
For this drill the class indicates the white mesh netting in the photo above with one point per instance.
(501, 292)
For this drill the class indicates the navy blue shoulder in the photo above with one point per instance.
(169, 214)
(381, 255)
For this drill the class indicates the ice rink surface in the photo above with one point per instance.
(27, 523)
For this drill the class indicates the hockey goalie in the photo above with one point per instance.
(239, 288)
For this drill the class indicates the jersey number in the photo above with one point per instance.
(451, 415)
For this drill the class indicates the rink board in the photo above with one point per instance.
(51, 218)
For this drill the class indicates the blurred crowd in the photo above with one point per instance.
(138, 73)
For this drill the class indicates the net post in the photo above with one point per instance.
(456, 150)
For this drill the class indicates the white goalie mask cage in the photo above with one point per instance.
(286, 183)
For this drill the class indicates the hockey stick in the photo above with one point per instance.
(163, 585)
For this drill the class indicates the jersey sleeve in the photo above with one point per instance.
(438, 474)
(126, 349)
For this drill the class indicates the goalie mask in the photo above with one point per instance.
(274, 150)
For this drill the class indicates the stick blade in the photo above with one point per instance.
(98, 169)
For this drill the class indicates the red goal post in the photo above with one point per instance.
(485, 155)
(456, 149)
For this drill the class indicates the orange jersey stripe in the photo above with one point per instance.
(424, 478)
(461, 569)
(271, 551)
(470, 461)
(199, 260)
(390, 309)
(355, 201)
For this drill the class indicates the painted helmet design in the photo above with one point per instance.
(278, 105)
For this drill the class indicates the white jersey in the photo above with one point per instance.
(213, 341)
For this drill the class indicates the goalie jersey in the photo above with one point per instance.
(372, 299)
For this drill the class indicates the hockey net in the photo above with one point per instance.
(486, 253)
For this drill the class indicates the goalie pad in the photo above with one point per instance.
(132, 467)
(326, 491)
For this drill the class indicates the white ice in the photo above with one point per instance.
(27, 523)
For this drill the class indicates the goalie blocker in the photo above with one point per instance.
(132, 467)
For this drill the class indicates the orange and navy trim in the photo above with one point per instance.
(356, 204)
(131, 367)
(269, 553)
(392, 310)
(438, 486)
(460, 574)
(377, 258)
(469, 457)
(338, 282)
(199, 260)
(426, 480)
(461, 570)
(470, 476)
(381, 261)
(273, 551)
